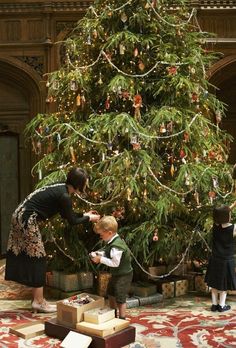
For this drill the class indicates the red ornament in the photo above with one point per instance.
(182, 153)
(155, 236)
(107, 102)
(137, 104)
(172, 70)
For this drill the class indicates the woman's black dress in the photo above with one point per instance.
(26, 257)
(220, 273)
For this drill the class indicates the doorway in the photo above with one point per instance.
(9, 183)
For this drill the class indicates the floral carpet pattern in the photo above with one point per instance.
(182, 322)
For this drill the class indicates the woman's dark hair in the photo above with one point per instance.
(77, 178)
(221, 215)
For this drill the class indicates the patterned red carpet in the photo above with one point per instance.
(182, 322)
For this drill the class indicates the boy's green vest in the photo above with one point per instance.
(125, 262)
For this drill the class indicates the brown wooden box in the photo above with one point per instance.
(70, 316)
(117, 340)
(28, 330)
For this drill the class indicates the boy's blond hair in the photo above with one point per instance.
(107, 223)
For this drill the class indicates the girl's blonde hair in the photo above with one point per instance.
(107, 223)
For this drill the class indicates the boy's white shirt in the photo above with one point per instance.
(115, 254)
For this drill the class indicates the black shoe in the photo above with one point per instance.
(214, 307)
(224, 308)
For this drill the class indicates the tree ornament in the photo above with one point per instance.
(147, 5)
(169, 127)
(154, 3)
(89, 40)
(194, 97)
(218, 118)
(72, 153)
(186, 137)
(182, 154)
(125, 95)
(196, 197)
(49, 99)
(121, 49)
(100, 82)
(78, 100)
(73, 85)
(128, 194)
(40, 174)
(215, 182)
(136, 146)
(212, 196)
(145, 194)
(55, 85)
(155, 236)
(187, 179)
(141, 65)
(123, 17)
(163, 128)
(135, 52)
(107, 102)
(95, 33)
(172, 170)
(137, 104)
(109, 146)
(82, 100)
(172, 70)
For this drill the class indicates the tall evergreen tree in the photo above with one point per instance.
(135, 109)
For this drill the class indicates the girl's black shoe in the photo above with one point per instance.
(224, 308)
(214, 308)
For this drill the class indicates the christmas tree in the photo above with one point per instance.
(134, 108)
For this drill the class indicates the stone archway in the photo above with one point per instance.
(223, 76)
(21, 98)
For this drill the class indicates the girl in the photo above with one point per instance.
(220, 275)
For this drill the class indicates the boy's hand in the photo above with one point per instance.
(96, 259)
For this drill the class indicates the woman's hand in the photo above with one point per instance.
(92, 217)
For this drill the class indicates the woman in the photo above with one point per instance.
(26, 257)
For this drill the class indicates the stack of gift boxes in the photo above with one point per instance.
(88, 314)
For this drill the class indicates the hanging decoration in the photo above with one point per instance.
(137, 104)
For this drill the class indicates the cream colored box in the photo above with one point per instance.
(104, 329)
(28, 330)
(99, 315)
(69, 315)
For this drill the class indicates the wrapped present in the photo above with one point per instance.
(143, 289)
(181, 287)
(156, 271)
(103, 279)
(200, 284)
(166, 287)
(99, 315)
(68, 282)
(85, 280)
(71, 310)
